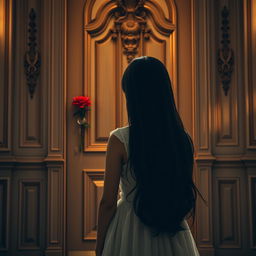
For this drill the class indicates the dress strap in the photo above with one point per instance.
(121, 134)
(118, 134)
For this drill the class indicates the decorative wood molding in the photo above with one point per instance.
(120, 31)
(30, 109)
(228, 103)
(249, 71)
(55, 206)
(252, 209)
(228, 212)
(202, 91)
(32, 59)
(93, 181)
(6, 74)
(30, 208)
(225, 54)
(4, 213)
(204, 230)
(165, 26)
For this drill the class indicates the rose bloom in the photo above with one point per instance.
(81, 101)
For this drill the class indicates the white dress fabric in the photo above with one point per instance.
(128, 236)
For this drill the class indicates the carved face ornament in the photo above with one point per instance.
(130, 26)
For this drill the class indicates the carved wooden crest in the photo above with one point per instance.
(131, 25)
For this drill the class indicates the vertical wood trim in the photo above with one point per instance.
(55, 213)
(55, 78)
(249, 70)
(201, 76)
(4, 213)
(252, 209)
(204, 214)
(6, 73)
(55, 44)
(202, 42)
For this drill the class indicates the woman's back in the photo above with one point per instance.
(128, 236)
(153, 159)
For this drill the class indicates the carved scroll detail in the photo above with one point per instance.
(32, 60)
(225, 54)
(131, 25)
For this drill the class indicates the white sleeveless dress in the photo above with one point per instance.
(127, 236)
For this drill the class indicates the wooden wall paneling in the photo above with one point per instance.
(252, 200)
(105, 94)
(121, 64)
(4, 212)
(30, 109)
(28, 114)
(156, 46)
(103, 115)
(202, 77)
(30, 194)
(228, 118)
(28, 208)
(97, 37)
(54, 45)
(249, 69)
(228, 197)
(6, 62)
(252, 207)
(102, 39)
(203, 213)
(55, 208)
(93, 181)
(202, 131)
(55, 67)
(232, 231)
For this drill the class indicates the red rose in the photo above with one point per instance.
(81, 101)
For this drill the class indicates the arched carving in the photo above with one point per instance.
(130, 21)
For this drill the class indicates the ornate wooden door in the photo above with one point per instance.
(114, 32)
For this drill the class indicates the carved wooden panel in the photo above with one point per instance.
(30, 109)
(227, 118)
(55, 64)
(204, 215)
(252, 208)
(55, 206)
(93, 180)
(29, 214)
(201, 44)
(250, 74)
(5, 73)
(228, 211)
(112, 39)
(4, 213)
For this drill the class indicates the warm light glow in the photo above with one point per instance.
(253, 16)
(2, 21)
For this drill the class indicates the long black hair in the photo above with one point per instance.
(161, 152)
